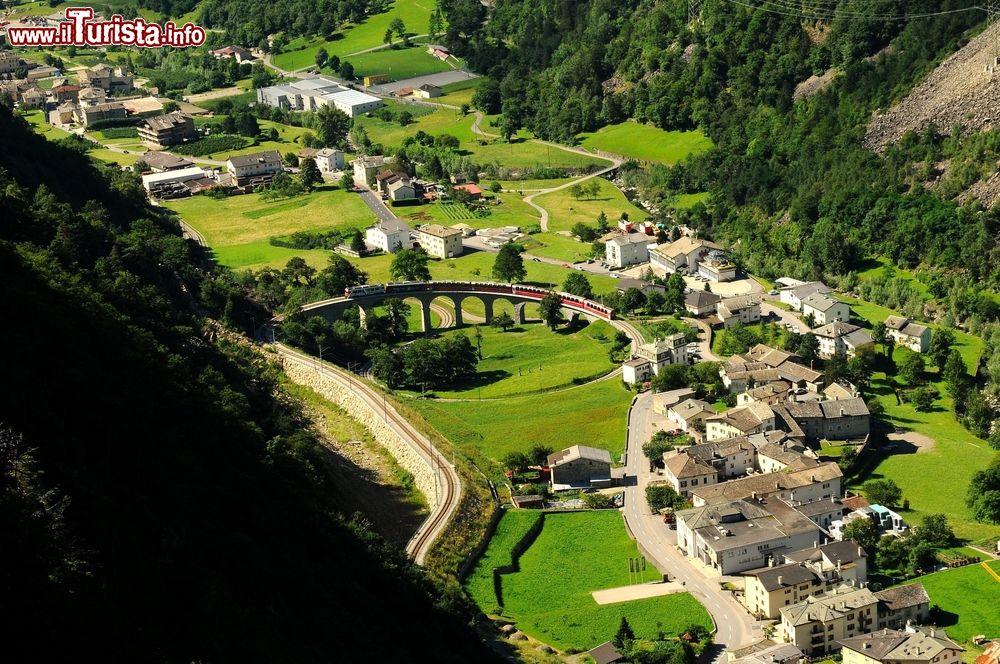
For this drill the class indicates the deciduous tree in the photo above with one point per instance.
(410, 265)
(577, 284)
(550, 309)
(509, 264)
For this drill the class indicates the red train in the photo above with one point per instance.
(533, 292)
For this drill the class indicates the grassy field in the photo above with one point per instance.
(439, 121)
(261, 254)
(113, 157)
(557, 246)
(575, 554)
(459, 93)
(38, 121)
(647, 143)
(969, 597)
(398, 63)
(565, 210)
(511, 211)
(685, 201)
(238, 227)
(531, 358)
(593, 414)
(512, 527)
(935, 481)
(301, 52)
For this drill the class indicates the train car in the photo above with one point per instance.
(365, 290)
(409, 287)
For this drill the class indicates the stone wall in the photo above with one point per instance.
(383, 434)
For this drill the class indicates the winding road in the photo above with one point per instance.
(735, 627)
(447, 479)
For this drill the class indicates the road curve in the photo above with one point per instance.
(735, 627)
(530, 200)
(448, 481)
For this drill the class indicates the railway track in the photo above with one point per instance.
(447, 482)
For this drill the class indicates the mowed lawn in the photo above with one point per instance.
(575, 554)
(458, 93)
(969, 597)
(301, 52)
(398, 63)
(646, 142)
(511, 211)
(513, 526)
(238, 221)
(591, 415)
(565, 210)
(935, 481)
(41, 126)
(532, 358)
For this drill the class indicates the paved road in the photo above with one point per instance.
(449, 481)
(735, 626)
(375, 204)
(705, 341)
(530, 199)
(783, 317)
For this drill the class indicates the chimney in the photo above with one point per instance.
(861, 552)
(780, 579)
(866, 645)
(838, 566)
(841, 412)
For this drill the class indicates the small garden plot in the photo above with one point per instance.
(575, 554)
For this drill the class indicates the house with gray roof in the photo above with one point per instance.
(925, 645)
(907, 333)
(903, 604)
(840, 419)
(735, 536)
(841, 338)
(821, 482)
(817, 624)
(580, 466)
(825, 309)
(793, 295)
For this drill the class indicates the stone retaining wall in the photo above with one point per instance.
(383, 434)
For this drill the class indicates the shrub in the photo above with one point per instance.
(211, 145)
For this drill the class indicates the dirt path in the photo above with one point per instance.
(910, 441)
(214, 94)
(638, 591)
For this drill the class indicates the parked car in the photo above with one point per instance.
(772, 292)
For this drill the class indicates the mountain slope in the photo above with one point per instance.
(160, 500)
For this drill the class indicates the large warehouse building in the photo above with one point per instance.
(313, 93)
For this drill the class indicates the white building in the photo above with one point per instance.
(389, 236)
(841, 339)
(794, 294)
(353, 102)
(909, 334)
(626, 250)
(154, 180)
(743, 309)
(756, 417)
(440, 241)
(329, 160)
(651, 357)
(258, 164)
(311, 94)
(366, 168)
(825, 309)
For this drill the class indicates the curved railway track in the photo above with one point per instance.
(447, 482)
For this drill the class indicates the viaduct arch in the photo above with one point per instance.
(426, 292)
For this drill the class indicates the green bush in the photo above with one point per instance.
(120, 132)
(211, 145)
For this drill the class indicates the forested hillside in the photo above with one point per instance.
(160, 498)
(792, 187)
